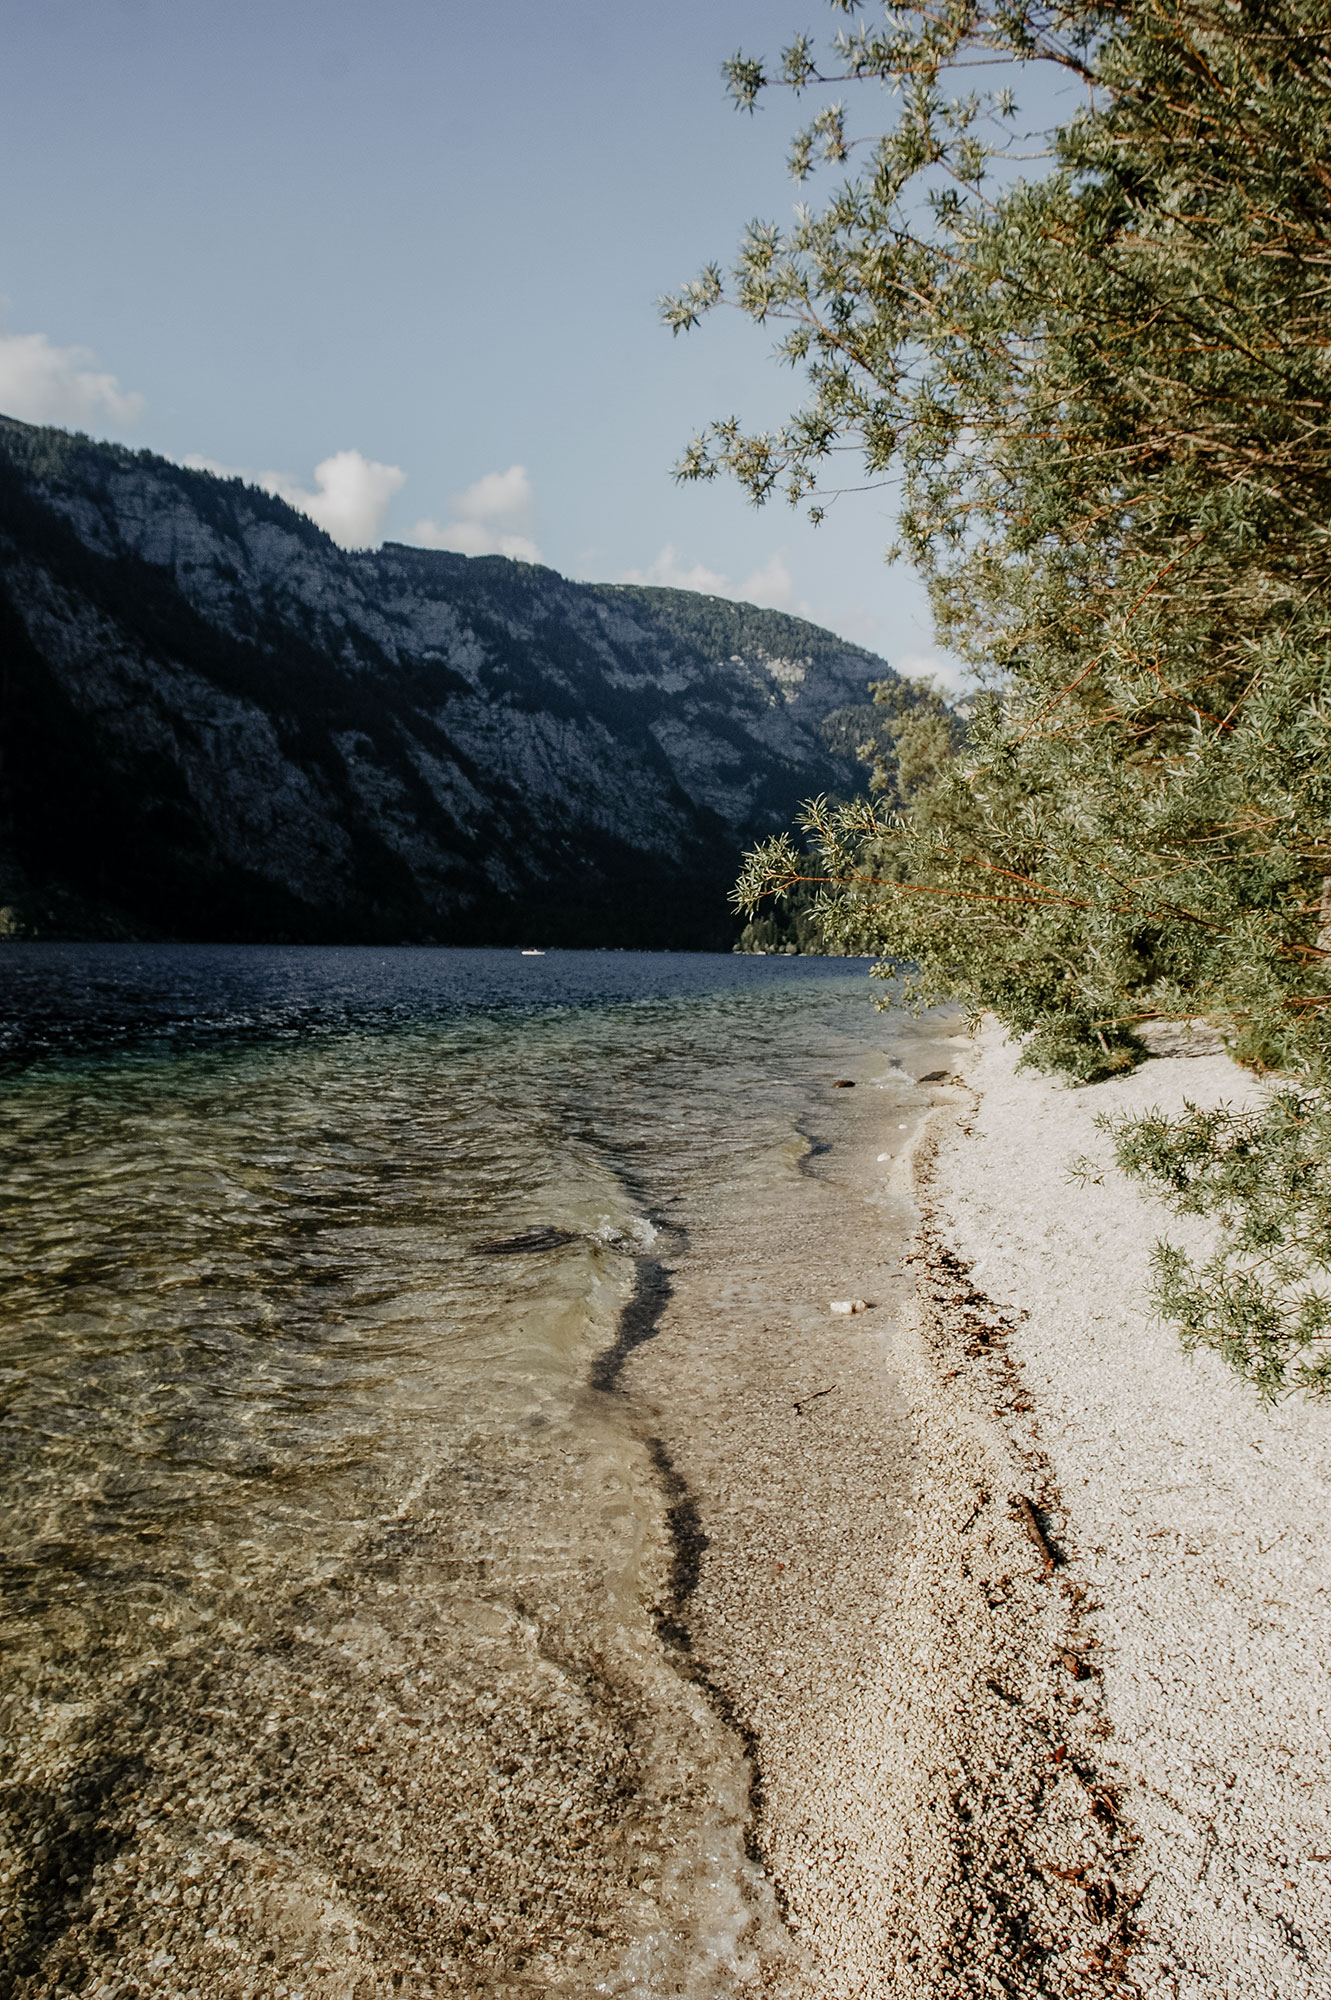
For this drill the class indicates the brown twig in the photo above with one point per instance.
(1025, 1513)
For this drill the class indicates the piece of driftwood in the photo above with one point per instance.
(1025, 1513)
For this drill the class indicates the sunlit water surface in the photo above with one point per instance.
(334, 1560)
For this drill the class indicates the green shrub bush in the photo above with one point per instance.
(1103, 381)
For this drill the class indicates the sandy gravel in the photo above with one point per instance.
(1197, 1518)
(870, 1608)
(1023, 1616)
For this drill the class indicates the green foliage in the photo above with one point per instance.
(790, 926)
(1105, 389)
(915, 735)
(1263, 1175)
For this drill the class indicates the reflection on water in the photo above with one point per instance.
(334, 1568)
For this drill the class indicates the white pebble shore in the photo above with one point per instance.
(1198, 1517)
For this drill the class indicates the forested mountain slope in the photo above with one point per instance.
(215, 723)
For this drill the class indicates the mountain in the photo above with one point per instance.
(215, 723)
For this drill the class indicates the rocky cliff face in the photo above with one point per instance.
(214, 723)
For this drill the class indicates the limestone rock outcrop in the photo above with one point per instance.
(215, 723)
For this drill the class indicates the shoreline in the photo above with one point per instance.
(993, 1601)
(787, 1428)
(866, 1604)
(969, 1644)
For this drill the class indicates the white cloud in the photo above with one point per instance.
(42, 384)
(496, 496)
(350, 500)
(770, 585)
(948, 675)
(475, 538)
(670, 570)
(491, 518)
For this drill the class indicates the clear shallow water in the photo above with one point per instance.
(336, 1570)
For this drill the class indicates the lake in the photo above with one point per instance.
(338, 1559)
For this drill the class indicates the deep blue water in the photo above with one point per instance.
(67, 998)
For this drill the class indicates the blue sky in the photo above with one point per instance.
(427, 239)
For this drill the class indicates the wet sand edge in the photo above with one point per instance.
(923, 1712)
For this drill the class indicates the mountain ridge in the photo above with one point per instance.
(214, 722)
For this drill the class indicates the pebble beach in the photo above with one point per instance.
(1194, 1516)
